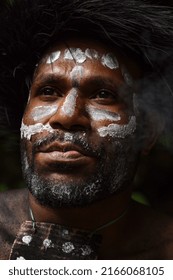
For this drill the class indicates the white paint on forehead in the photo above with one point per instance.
(99, 114)
(118, 131)
(127, 77)
(69, 105)
(53, 57)
(110, 61)
(92, 54)
(75, 54)
(79, 56)
(41, 112)
(28, 130)
(77, 72)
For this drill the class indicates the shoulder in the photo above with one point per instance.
(154, 233)
(13, 211)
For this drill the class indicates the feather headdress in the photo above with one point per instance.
(27, 27)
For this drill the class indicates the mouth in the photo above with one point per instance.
(66, 153)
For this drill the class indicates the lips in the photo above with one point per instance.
(63, 148)
(64, 153)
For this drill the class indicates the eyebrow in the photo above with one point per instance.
(48, 78)
(95, 81)
(101, 81)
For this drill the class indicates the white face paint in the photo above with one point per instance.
(101, 115)
(53, 57)
(28, 130)
(127, 77)
(118, 131)
(110, 61)
(75, 54)
(77, 72)
(41, 112)
(69, 105)
(92, 54)
(107, 60)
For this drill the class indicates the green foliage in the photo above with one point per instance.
(140, 197)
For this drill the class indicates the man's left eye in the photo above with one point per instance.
(104, 94)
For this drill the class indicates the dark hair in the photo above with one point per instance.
(29, 27)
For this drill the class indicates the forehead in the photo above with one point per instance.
(86, 52)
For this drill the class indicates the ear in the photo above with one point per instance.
(154, 128)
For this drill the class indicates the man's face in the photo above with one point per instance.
(79, 127)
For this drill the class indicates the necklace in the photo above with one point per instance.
(110, 222)
(95, 230)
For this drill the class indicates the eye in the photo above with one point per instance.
(49, 91)
(104, 94)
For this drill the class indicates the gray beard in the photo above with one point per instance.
(112, 176)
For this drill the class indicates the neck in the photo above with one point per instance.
(87, 218)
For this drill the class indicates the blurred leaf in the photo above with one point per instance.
(140, 197)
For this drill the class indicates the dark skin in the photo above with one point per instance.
(89, 93)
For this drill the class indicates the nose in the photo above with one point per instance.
(71, 114)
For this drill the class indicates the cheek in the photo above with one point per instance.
(42, 112)
(102, 115)
(33, 120)
(105, 123)
(26, 153)
(115, 131)
(38, 113)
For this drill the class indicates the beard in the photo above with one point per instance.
(113, 173)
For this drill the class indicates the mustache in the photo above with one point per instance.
(76, 138)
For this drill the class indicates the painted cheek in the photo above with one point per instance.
(118, 131)
(40, 112)
(27, 131)
(102, 115)
(37, 114)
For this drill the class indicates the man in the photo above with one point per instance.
(94, 87)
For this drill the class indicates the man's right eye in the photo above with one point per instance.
(49, 91)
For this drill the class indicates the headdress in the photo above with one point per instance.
(27, 27)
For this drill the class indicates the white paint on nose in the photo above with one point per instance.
(77, 72)
(69, 105)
